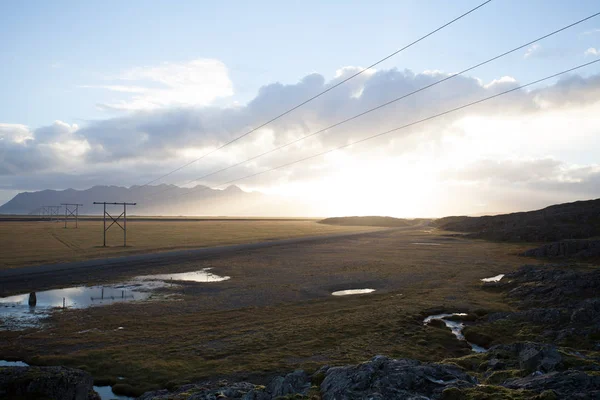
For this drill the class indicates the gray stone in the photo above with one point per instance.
(293, 383)
(567, 384)
(384, 378)
(46, 382)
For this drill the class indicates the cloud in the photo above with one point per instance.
(531, 50)
(538, 51)
(592, 52)
(591, 31)
(143, 144)
(52, 147)
(197, 82)
(545, 174)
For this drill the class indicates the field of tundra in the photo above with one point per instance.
(42, 242)
(275, 313)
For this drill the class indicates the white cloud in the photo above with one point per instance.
(504, 81)
(540, 129)
(531, 50)
(592, 52)
(591, 31)
(194, 83)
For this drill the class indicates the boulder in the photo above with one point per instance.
(293, 383)
(384, 378)
(46, 382)
(566, 384)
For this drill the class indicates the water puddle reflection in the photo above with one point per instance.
(493, 278)
(456, 327)
(196, 276)
(352, 291)
(26, 310)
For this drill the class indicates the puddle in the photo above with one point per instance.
(427, 244)
(105, 392)
(456, 327)
(27, 310)
(4, 363)
(493, 278)
(352, 291)
(196, 276)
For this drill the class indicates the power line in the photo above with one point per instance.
(405, 126)
(319, 94)
(385, 104)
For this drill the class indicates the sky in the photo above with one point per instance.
(120, 93)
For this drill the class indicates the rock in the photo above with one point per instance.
(527, 356)
(566, 248)
(384, 378)
(588, 312)
(211, 391)
(566, 384)
(296, 382)
(533, 357)
(46, 382)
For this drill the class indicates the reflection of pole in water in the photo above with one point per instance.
(32, 299)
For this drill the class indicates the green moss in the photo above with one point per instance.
(498, 377)
(452, 394)
(491, 392)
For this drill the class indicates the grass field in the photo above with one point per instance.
(36, 242)
(276, 313)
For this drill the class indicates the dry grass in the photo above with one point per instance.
(31, 243)
(276, 313)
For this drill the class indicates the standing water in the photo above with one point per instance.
(456, 327)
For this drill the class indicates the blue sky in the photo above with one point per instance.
(49, 49)
(78, 77)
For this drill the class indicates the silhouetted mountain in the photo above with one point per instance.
(157, 200)
(578, 220)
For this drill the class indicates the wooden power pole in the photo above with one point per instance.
(116, 220)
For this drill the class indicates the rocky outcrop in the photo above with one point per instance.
(384, 378)
(566, 248)
(525, 356)
(564, 385)
(295, 383)
(379, 378)
(46, 383)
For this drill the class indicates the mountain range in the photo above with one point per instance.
(167, 200)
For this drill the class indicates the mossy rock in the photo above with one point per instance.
(498, 377)
(453, 393)
(478, 338)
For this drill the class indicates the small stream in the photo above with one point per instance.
(105, 392)
(456, 327)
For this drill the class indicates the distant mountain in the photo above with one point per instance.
(578, 220)
(168, 200)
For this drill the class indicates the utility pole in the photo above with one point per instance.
(51, 212)
(71, 210)
(115, 220)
